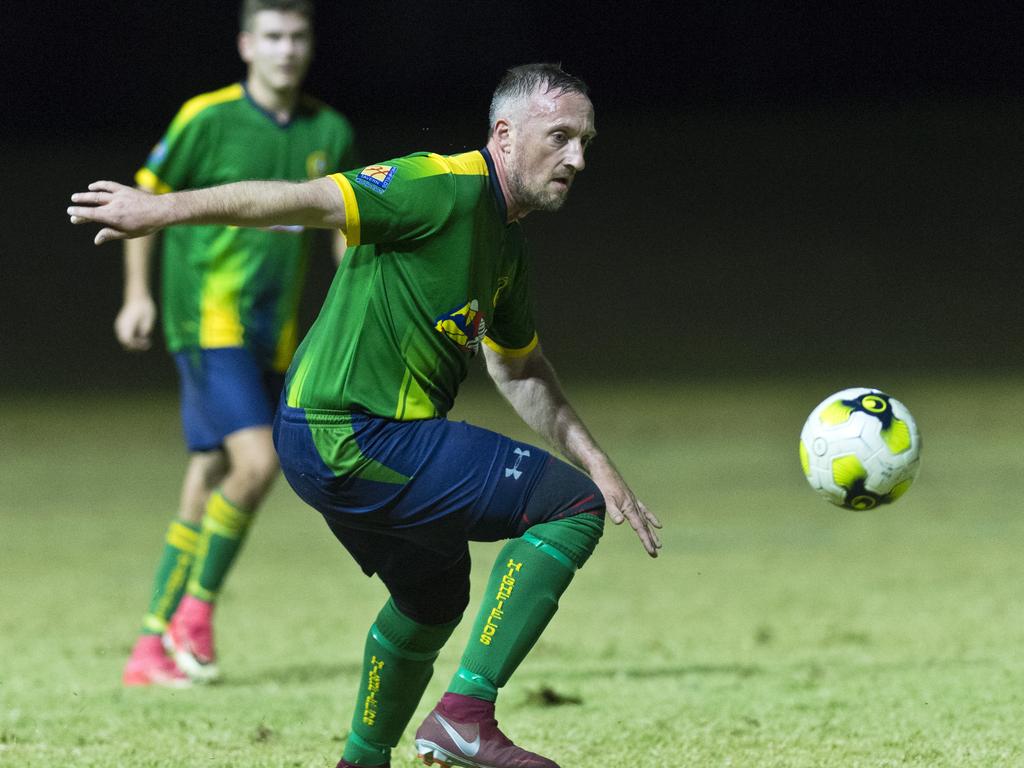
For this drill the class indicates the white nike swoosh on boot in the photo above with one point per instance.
(469, 748)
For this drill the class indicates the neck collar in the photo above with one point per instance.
(499, 196)
(271, 116)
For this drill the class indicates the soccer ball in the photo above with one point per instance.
(860, 448)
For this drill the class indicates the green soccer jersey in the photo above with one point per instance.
(435, 271)
(230, 286)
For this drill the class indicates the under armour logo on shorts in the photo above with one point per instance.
(514, 471)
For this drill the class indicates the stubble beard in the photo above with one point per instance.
(531, 199)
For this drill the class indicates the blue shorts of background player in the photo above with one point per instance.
(466, 484)
(224, 390)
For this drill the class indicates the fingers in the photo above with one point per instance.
(79, 215)
(651, 518)
(134, 343)
(650, 522)
(647, 537)
(106, 186)
(655, 538)
(90, 198)
(144, 334)
(133, 338)
(107, 234)
(100, 193)
(637, 516)
(639, 520)
(133, 325)
(615, 514)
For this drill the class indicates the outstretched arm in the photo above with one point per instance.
(530, 385)
(125, 212)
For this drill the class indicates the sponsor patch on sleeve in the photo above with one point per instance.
(157, 154)
(376, 177)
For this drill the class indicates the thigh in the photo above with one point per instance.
(223, 391)
(544, 489)
(561, 491)
(252, 447)
(382, 475)
(475, 480)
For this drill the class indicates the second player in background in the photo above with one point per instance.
(229, 302)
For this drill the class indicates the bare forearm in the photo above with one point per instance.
(257, 204)
(125, 213)
(138, 257)
(134, 323)
(539, 400)
(532, 388)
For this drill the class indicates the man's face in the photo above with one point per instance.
(548, 140)
(278, 48)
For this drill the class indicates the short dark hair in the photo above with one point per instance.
(251, 7)
(523, 81)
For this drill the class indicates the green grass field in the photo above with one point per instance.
(775, 630)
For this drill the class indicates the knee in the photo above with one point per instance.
(442, 600)
(264, 467)
(575, 537)
(256, 470)
(439, 608)
(564, 492)
(208, 468)
(205, 472)
(252, 457)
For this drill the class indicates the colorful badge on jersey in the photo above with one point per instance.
(465, 327)
(376, 177)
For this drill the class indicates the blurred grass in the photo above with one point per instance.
(773, 631)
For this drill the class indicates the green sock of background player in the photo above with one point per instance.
(397, 665)
(223, 530)
(172, 573)
(529, 576)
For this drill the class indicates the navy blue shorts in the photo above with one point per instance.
(222, 391)
(429, 487)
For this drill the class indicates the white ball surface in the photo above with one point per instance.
(860, 448)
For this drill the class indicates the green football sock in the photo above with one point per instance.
(397, 665)
(531, 573)
(171, 575)
(223, 531)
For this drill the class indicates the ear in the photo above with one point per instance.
(245, 46)
(503, 134)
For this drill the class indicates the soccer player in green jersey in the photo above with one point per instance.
(437, 272)
(230, 299)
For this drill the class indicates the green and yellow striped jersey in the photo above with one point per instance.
(433, 270)
(228, 286)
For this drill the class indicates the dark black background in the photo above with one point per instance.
(777, 188)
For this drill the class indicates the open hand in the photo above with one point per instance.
(123, 212)
(622, 504)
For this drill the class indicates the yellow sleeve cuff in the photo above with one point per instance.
(351, 209)
(512, 352)
(150, 182)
